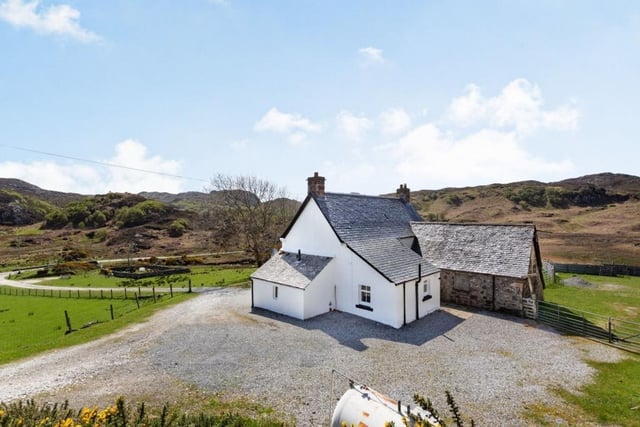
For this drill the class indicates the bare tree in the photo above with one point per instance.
(255, 210)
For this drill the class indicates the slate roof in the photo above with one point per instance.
(372, 227)
(501, 250)
(285, 268)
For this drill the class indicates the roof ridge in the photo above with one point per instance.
(359, 195)
(483, 224)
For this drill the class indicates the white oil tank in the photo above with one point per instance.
(361, 405)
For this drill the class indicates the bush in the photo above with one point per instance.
(178, 227)
(130, 217)
(56, 219)
(30, 414)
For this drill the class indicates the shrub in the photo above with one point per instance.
(56, 219)
(31, 414)
(130, 217)
(178, 227)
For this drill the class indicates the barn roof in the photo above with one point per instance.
(285, 268)
(501, 250)
(373, 228)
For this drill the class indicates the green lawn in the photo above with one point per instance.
(201, 276)
(614, 395)
(30, 325)
(610, 296)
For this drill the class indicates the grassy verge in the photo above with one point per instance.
(613, 397)
(200, 276)
(31, 325)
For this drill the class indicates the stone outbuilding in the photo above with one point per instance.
(483, 265)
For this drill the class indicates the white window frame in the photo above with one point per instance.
(426, 287)
(365, 294)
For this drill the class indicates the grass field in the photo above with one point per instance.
(613, 398)
(609, 296)
(30, 325)
(201, 276)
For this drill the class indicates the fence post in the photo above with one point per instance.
(101, 294)
(137, 301)
(189, 285)
(153, 289)
(68, 320)
(111, 310)
(125, 292)
(171, 289)
(111, 293)
(610, 335)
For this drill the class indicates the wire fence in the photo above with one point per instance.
(598, 270)
(616, 332)
(88, 293)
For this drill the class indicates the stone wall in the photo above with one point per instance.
(477, 290)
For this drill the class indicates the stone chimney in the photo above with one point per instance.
(404, 193)
(315, 185)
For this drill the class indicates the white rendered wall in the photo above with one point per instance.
(424, 307)
(319, 294)
(312, 234)
(386, 299)
(289, 301)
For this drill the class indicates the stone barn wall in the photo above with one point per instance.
(477, 290)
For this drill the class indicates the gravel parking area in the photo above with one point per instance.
(493, 364)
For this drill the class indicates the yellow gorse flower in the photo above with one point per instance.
(2, 413)
(68, 422)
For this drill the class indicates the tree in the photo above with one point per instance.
(253, 210)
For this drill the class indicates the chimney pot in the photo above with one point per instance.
(404, 193)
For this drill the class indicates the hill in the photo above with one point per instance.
(593, 218)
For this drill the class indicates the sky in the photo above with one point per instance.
(162, 95)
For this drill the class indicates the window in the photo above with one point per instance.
(426, 291)
(275, 292)
(365, 294)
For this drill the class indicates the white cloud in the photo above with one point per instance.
(371, 55)
(354, 127)
(433, 158)
(277, 121)
(89, 179)
(58, 19)
(394, 121)
(519, 106)
(50, 175)
(294, 125)
(132, 154)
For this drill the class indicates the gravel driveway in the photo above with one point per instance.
(494, 365)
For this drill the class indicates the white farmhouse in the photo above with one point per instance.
(352, 253)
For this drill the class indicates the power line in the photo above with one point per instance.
(112, 165)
